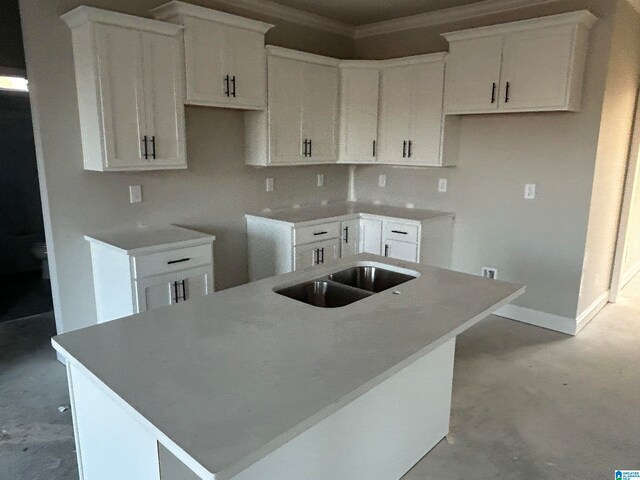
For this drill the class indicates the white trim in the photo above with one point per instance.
(290, 14)
(540, 319)
(176, 8)
(591, 311)
(414, 60)
(580, 17)
(83, 14)
(447, 15)
(629, 274)
(275, 51)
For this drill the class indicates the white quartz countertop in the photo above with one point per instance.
(231, 377)
(148, 239)
(342, 209)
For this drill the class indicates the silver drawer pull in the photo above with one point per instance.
(320, 233)
(171, 262)
(398, 231)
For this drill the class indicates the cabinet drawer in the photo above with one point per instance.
(402, 232)
(172, 260)
(316, 233)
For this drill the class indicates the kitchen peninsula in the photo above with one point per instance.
(250, 384)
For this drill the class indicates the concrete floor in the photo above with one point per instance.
(527, 403)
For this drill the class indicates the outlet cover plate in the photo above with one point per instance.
(269, 184)
(135, 194)
(530, 191)
(382, 180)
(442, 185)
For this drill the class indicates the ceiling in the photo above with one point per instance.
(362, 12)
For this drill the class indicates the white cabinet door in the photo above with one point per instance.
(204, 62)
(318, 253)
(120, 70)
(195, 283)
(371, 236)
(401, 250)
(350, 238)
(155, 292)
(395, 108)
(164, 104)
(245, 62)
(359, 96)
(320, 112)
(425, 132)
(535, 66)
(285, 110)
(473, 75)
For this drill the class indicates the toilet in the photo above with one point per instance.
(39, 251)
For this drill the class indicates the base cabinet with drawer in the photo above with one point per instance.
(131, 277)
(277, 247)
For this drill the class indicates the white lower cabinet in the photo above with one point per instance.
(129, 280)
(350, 236)
(318, 253)
(163, 290)
(406, 251)
(277, 247)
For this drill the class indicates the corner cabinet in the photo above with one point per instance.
(411, 96)
(527, 66)
(359, 98)
(300, 126)
(130, 91)
(225, 61)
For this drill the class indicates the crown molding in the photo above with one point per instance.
(83, 14)
(275, 51)
(290, 14)
(447, 15)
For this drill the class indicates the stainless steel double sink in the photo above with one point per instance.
(345, 287)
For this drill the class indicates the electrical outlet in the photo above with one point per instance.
(489, 272)
(135, 194)
(269, 185)
(382, 180)
(321, 179)
(442, 185)
(530, 191)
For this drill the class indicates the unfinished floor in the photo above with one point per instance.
(528, 403)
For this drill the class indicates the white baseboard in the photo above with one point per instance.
(591, 311)
(549, 321)
(629, 274)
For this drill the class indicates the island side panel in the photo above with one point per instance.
(110, 444)
(378, 436)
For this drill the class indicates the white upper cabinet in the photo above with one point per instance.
(300, 126)
(411, 98)
(224, 56)
(130, 89)
(359, 97)
(531, 65)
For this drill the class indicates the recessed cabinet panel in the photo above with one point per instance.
(534, 68)
(401, 250)
(285, 110)
(319, 253)
(120, 67)
(473, 75)
(395, 116)
(320, 112)
(246, 62)
(350, 238)
(163, 101)
(426, 114)
(371, 236)
(359, 96)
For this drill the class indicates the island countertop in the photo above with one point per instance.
(312, 213)
(228, 378)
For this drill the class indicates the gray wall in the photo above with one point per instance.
(612, 155)
(539, 243)
(212, 195)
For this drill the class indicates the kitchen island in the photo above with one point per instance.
(248, 384)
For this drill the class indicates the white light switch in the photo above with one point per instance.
(382, 180)
(135, 193)
(321, 179)
(530, 191)
(442, 185)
